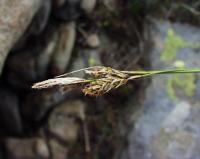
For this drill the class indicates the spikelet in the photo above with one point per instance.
(102, 86)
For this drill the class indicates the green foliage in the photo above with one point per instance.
(184, 82)
(91, 61)
(173, 42)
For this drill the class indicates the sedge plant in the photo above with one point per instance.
(102, 79)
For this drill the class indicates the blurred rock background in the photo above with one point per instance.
(154, 118)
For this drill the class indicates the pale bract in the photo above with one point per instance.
(58, 82)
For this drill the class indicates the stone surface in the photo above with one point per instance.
(15, 16)
(41, 18)
(45, 55)
(64, 48)
(62, 123)
(93, 40)
(26, 148)
(63, 126)
(168, 127)
(41, 148)
(36, 105)
(88, 5)
(58, 151)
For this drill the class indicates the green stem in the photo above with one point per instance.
(171, 71)
(175, 71)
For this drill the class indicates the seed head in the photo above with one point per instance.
(101, 80)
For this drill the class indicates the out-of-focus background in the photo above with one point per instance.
(152, 118)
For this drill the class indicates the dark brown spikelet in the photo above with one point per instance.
(102, 72)
(102, 86)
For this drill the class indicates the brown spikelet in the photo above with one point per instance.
(100, 72)
(102, 86)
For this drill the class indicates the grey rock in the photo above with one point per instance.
(93, 41)
(167, 128)
(45, 55)
(41, 148)
(88, 5)
(36, 105)
(63, 128)
(176, 145)
(25, 148)
(58, 151)
(62, 122)
(64, 48)
(41, 18)
(15, 16)
(35, 29)
(177, 116)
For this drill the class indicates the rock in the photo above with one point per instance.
(41, 18)
(26, 148)
(168, 125)
(36, 106)
(62, 123)
(177, 116)
(19, 148)
(15, 16)
(41, 148)
(45, 55)
(58, 151)
(177, 145)
(63, 128)
(88, 5)
(10, 119)
(64, 48)
(93, 41)
(35, 31)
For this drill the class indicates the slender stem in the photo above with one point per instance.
(171, 71)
